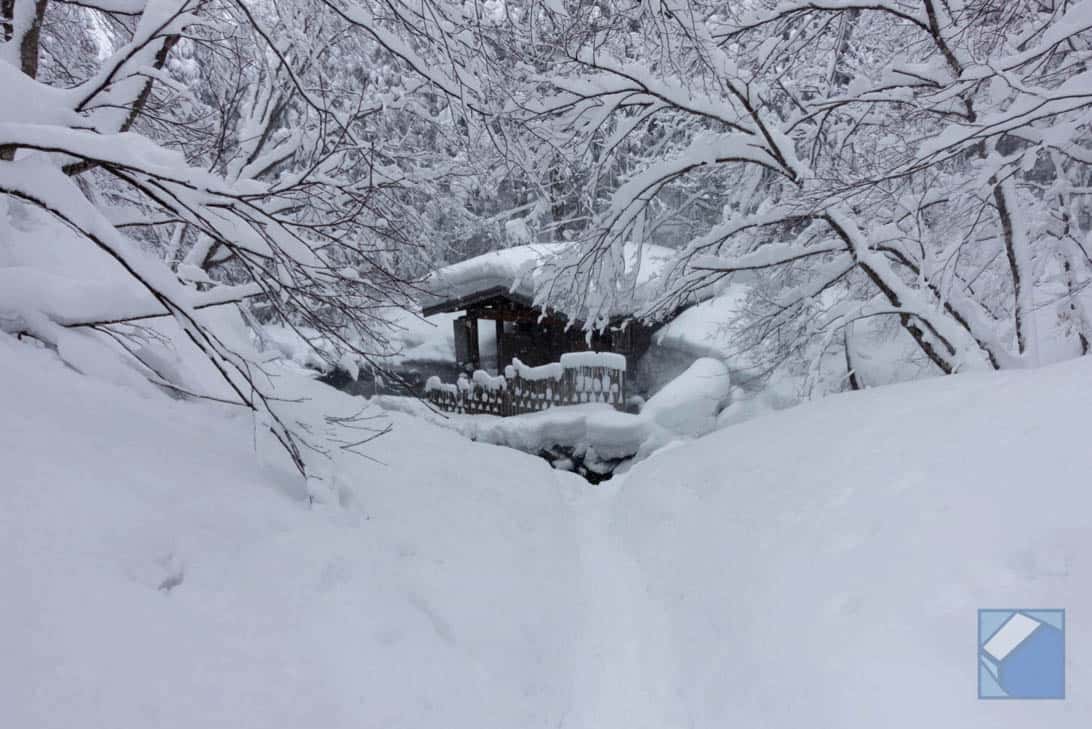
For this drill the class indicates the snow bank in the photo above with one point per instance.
(157, 575)
(699, 330)
(611, 434)
(689, 404)
(822, 566)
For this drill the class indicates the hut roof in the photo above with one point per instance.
(518, 273)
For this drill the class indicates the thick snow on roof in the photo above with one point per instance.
(522, 270)
(507, 269)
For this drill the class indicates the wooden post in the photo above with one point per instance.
(462, 341)
(501, 361)
(473, 356)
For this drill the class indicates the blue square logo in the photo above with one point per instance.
(1021, 654)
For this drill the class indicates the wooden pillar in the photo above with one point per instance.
(462, 343)
(473, 355)
(501, 361)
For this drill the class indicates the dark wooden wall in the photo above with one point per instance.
(523, 333)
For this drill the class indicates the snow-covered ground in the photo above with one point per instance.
(821, 566)
(155, 575)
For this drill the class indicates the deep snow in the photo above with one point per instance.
(441, 593)
(822, 566)
(818, 567)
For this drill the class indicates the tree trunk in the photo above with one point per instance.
(851, 371)
(22, 26)
(1016, 250)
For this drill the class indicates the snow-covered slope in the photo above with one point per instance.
(819, 567)
(441, 594)
(822, 566)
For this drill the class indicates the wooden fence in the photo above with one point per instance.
(584, 377)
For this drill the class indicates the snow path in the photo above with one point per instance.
(626, 657)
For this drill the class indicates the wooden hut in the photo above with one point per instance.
(496, 290)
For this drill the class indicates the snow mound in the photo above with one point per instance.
(699, 330)
(611, 434)
(689, 404)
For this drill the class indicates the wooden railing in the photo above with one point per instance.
(580, 377)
